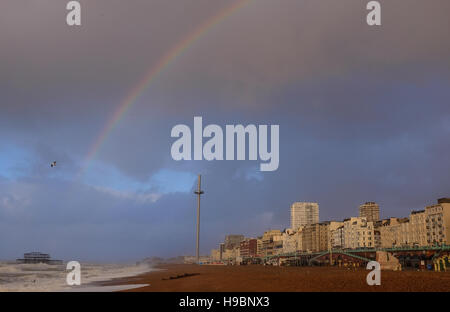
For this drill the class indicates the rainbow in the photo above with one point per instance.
(153, 73)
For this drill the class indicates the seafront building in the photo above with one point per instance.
(271, 242)
(394, 232)
(304, 213)
(335, 234)
(231, 254)
(370, 211)
(290, 241)
(229, 249)
(438, 222)
(337, 237)
(38, 257)
(248, 248)
(417, 229)
(215, 255)
(423, 228)
(233, 240)
(427, 227)
(193, 259)
(359, 233)
(315, 237)
(259, 246)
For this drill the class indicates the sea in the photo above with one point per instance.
(40, 277)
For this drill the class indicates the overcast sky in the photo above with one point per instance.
(364, 115)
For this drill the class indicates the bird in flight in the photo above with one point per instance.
(53, 164)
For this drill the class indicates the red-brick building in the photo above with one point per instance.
(248, 248)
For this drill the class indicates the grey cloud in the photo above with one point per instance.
(363, 115)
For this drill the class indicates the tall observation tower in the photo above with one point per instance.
(199, 193)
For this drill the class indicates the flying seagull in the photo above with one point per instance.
(53, 164)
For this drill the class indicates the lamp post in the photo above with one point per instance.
(331, 249)
(199, 192)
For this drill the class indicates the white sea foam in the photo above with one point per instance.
(44, 277)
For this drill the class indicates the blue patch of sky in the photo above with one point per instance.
(163, 181)
(14, 160)
(249, 173)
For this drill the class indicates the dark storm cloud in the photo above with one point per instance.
(363, 115)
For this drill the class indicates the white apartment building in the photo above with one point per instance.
(333, 231)
(423, 228)
(337, 238)
(417, 228)
(290, 241)
(304, 213)
(359, 233)
(438, 222)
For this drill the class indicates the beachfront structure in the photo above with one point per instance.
(417, 228)
(428, 227)
(270, 242)
(230, 255)
(359, 233)
(215, 255)
(38, 257)
(193, 259)
(438, 222)
(259, 246)
(277, 245)
(248, 248)
(315, 237)
(334, 225)
(290, 240)
(337, 237)
(304, 213)
(423, 228)
(370, 211)
(394, 232)
(233, 240)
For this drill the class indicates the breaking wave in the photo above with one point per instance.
(45, 277)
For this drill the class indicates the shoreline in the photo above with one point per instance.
(44, 277)
(257, 278)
